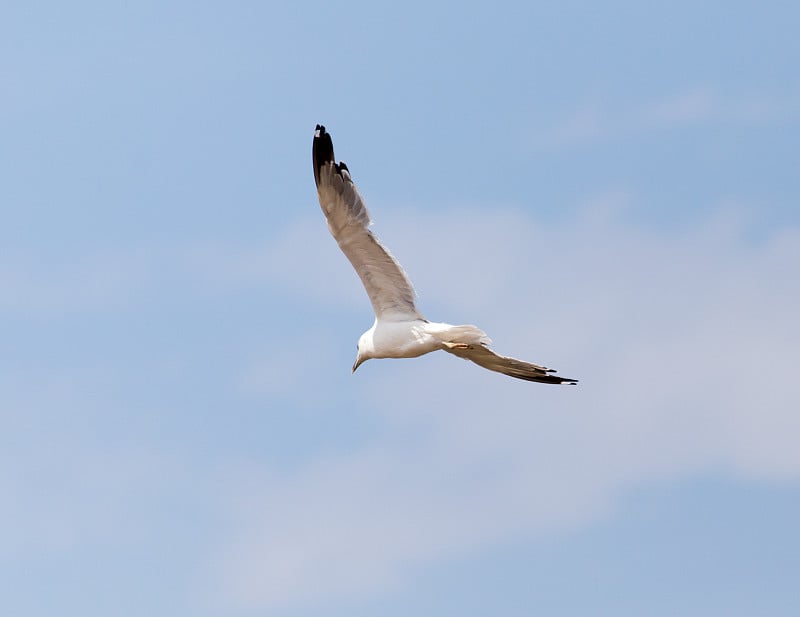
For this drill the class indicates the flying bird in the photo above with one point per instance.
(400, 330)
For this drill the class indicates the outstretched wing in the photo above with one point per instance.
(485, 357)
(387, 285)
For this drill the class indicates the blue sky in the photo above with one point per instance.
(610, 189)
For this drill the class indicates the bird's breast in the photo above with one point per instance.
(405, 339)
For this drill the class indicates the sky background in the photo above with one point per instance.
(610, 189)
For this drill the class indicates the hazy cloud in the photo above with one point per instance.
(685, 345)
(73, 284)
(599, 119)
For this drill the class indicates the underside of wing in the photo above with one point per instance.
(387, 285)
(485, 357)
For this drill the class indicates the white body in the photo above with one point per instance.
(410, 339)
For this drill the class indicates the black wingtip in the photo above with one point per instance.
(548, 378)
(565, 381)
(322, 150)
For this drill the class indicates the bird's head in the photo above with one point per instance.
(364, 349)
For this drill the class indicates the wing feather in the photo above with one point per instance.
(483, 356)
(387, 285)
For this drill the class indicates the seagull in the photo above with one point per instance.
(400, 330)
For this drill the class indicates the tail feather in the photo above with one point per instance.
(465, 334)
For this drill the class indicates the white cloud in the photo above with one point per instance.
(599, 120)
(686, 347)
(304, 259)
(73, 284)
(64, 488)
(282, 372)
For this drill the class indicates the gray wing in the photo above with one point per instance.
(387, 285)
(485, 357)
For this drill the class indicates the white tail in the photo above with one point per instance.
(465, 335)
